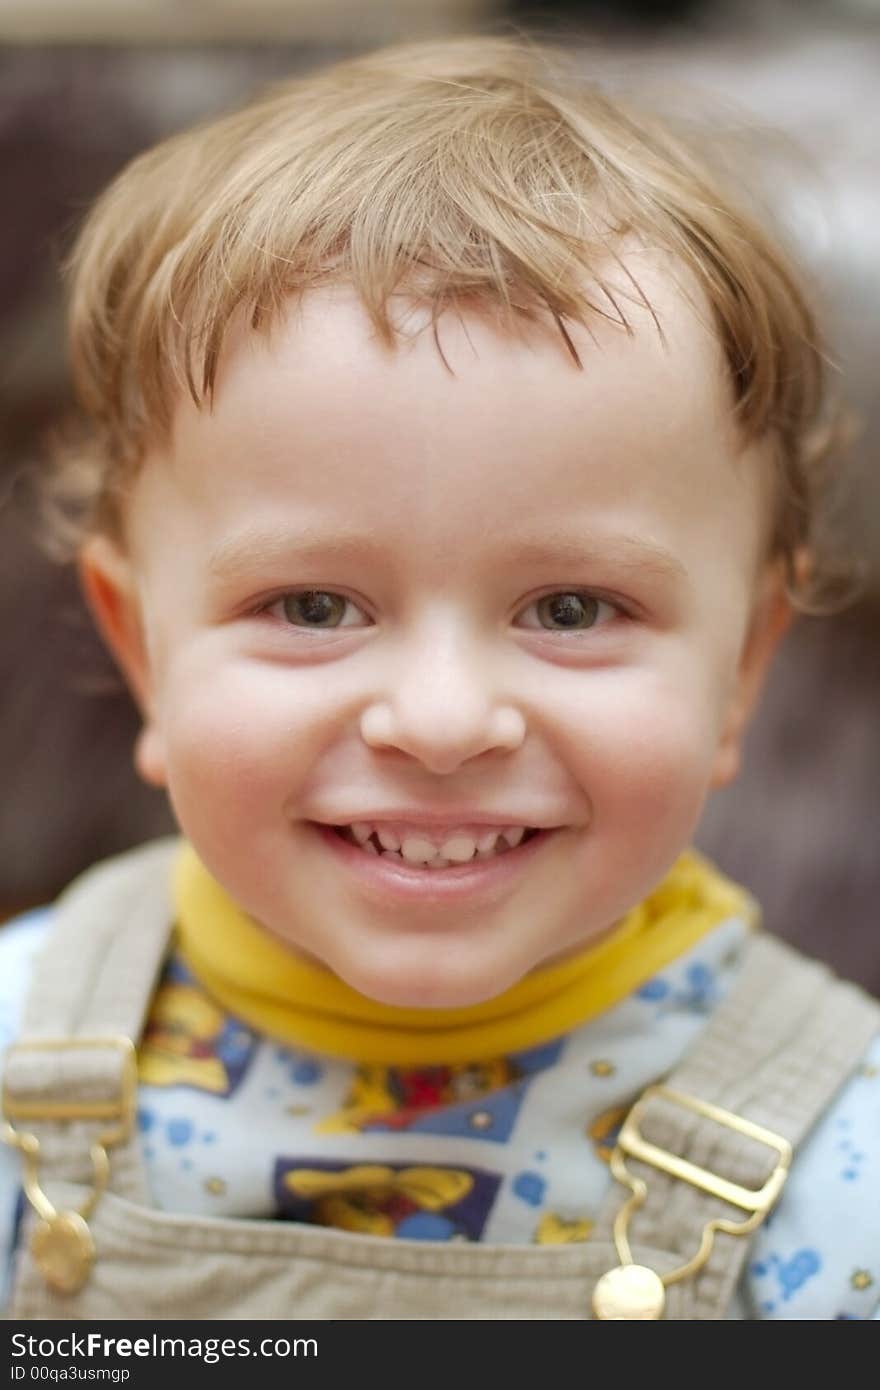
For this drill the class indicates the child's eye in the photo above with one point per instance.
(575, 610)
(313, 608)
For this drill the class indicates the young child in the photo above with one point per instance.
(451, 477)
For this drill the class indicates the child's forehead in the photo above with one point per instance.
(475, 382)
(320, 422)
(473, 378)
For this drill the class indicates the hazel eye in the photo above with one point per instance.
(314, 608)
(575, 610)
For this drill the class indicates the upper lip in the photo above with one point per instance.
(431, 820)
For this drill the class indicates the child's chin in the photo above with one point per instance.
(431, 990)
(430, 997)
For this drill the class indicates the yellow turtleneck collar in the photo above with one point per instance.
(267, 985)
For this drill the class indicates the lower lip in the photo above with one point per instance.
(390, 879)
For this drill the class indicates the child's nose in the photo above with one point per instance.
(443, 706)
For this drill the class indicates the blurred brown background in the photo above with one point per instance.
(83, 88)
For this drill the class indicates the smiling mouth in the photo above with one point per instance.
(373, 846)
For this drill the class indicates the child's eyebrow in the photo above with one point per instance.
(237, 554)
(624, 553)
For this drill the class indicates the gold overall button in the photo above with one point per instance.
(63, 1251)
(631, 1291)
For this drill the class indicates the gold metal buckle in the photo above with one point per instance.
(61, 1243)
(633, 1291)
(121, 1110)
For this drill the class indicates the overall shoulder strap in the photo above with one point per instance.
(772, 1056)
(72, 1067)
(111, 930)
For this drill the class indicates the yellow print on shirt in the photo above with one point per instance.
(189, 1041)
(553, 1229)
(371, 1198)
(603, 1131)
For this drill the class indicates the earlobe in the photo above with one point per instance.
(149, 758)
(728, 761)
(107, 581)
(771, 619)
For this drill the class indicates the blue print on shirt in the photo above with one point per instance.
(699, 993)
(790, 1274)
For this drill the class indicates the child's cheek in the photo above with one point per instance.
(236, 739)
(646, 754)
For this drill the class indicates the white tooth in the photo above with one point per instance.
(361, 831)
(514, 834)
(486, 842)
(418, 850)
(370, 847)
(387, 838)
(460, 848)
(399, 858)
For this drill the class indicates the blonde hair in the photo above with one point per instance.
(481, 169)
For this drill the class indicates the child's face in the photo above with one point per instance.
(437, 515)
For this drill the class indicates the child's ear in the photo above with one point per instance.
(771, 618)
(107, 579)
